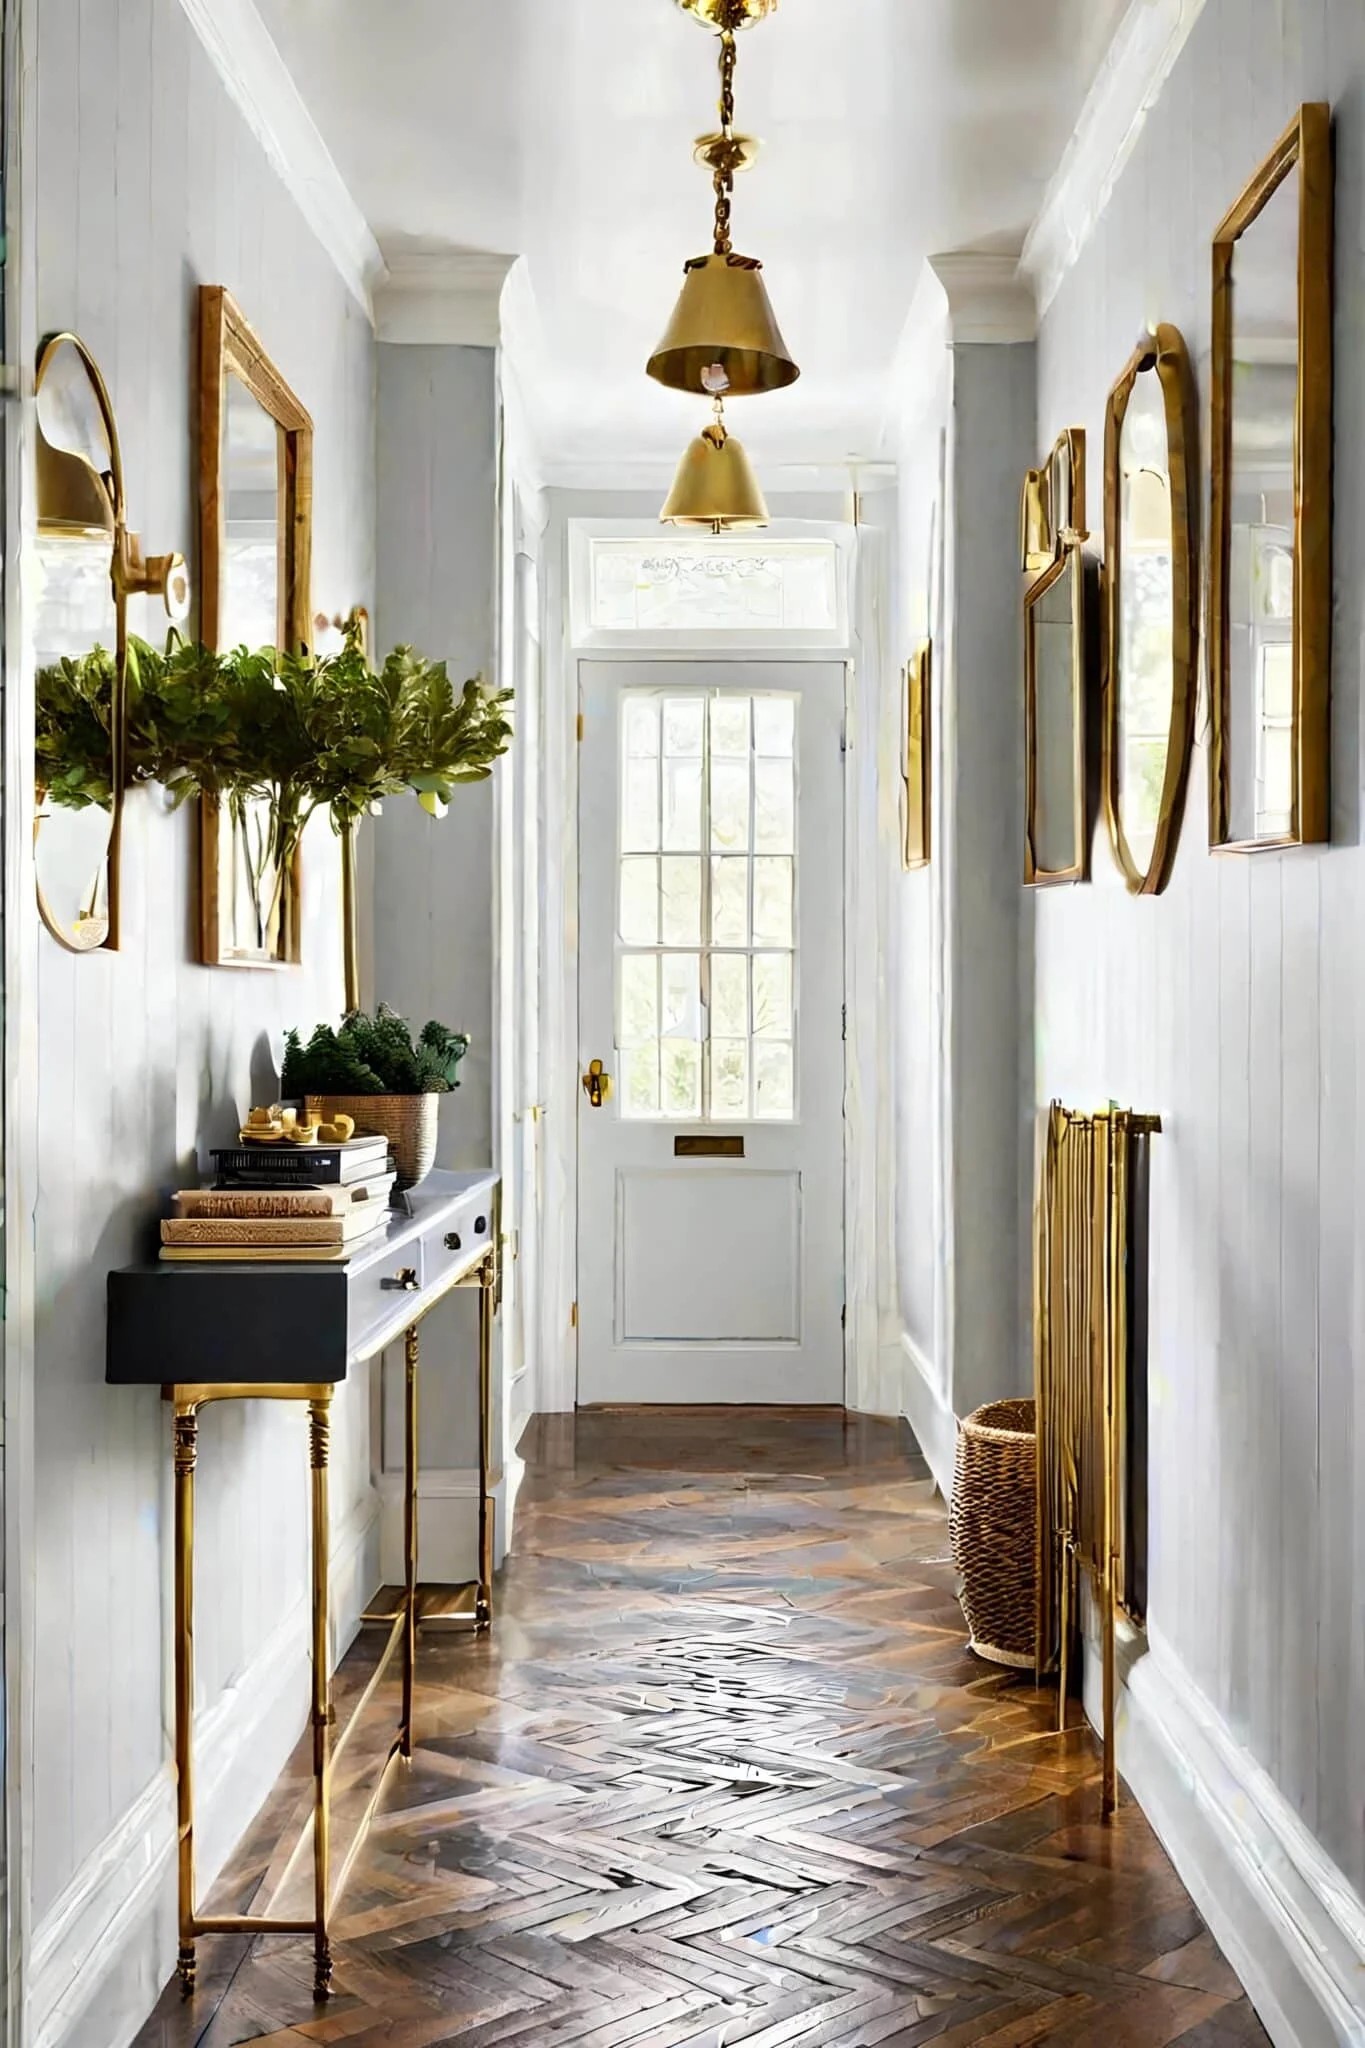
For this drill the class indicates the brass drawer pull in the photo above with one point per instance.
(404, 1281)
(452, 1240)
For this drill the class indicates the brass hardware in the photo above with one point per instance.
(580, 725)
(694, 1146)
(715, 485)
(1305, 146)
(723, 337)
(1163, 353)
(453, 1240)
(80, 496)
(733, 14)
(404, 1281)
(917, 773)
(596, 1084)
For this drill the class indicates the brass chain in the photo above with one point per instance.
(725, 168)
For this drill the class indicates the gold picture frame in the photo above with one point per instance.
(1067, 575)
(1163, 352)
(228, 347)
(1305, 147)
(916, 767)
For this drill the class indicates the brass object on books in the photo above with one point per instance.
(1089, 1227)
(473, 1604)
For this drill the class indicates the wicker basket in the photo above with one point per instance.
(407, 1121)
(993, 1523)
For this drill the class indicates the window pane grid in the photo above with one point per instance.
(706, 976)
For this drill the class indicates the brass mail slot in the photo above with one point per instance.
(708, 1148)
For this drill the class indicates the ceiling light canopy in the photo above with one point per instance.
(723, 339)
(715, 485)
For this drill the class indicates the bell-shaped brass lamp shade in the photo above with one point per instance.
(72, 498)
(715, 485)
(723, 340)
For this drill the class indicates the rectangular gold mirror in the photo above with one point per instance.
(255, 526)
(1270, 598)
(1056, 846)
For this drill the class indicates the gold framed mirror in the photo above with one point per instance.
(1056, 841)
(255, 537)
(88, 565)
(1270, 594)
(1052, 532)
(1151, 481)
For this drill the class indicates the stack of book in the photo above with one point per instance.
(284, 1202)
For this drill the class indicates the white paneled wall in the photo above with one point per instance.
(1231, 1006)
(149, 183)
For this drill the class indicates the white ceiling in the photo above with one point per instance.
(561, 130)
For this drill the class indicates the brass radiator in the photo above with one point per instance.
(1088, 1294)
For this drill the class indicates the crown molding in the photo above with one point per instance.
(987, 298)
(962, 296)
(442, 295)
(1140, 59)
(257, 80)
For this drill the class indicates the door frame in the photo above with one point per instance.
(868, 833)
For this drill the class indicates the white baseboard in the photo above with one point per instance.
(927, 1413)
(1286, 1918)
(448, 1525)
(102, 1954)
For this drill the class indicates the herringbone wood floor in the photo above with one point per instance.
(726, 1772)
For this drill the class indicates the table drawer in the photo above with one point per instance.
(386, 1291)
(457, 1244)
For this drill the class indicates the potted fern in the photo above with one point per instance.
(372, 1070)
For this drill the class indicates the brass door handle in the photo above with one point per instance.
(596, 1084)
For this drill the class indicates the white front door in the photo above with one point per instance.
(710, 1212)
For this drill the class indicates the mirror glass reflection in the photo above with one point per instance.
(251, 571)
(74, 613)
(1265, 370)
(251, 902)
(1146, 616)
(1054, 624)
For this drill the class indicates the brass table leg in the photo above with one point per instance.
(186, 1455)
(412, 1351)
(319, 1443)
(483, 1607)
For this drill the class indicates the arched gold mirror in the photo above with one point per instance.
(1151, 611)
(88, 565)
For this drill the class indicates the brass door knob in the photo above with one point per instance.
(596, 1084)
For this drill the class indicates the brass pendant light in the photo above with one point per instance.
(723, 339)
(715, 485)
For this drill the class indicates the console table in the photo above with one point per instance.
(230, 1331)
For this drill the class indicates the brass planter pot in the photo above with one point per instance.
(407, 1121)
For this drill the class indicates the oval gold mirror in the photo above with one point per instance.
(1151, 609)
(79, 730)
